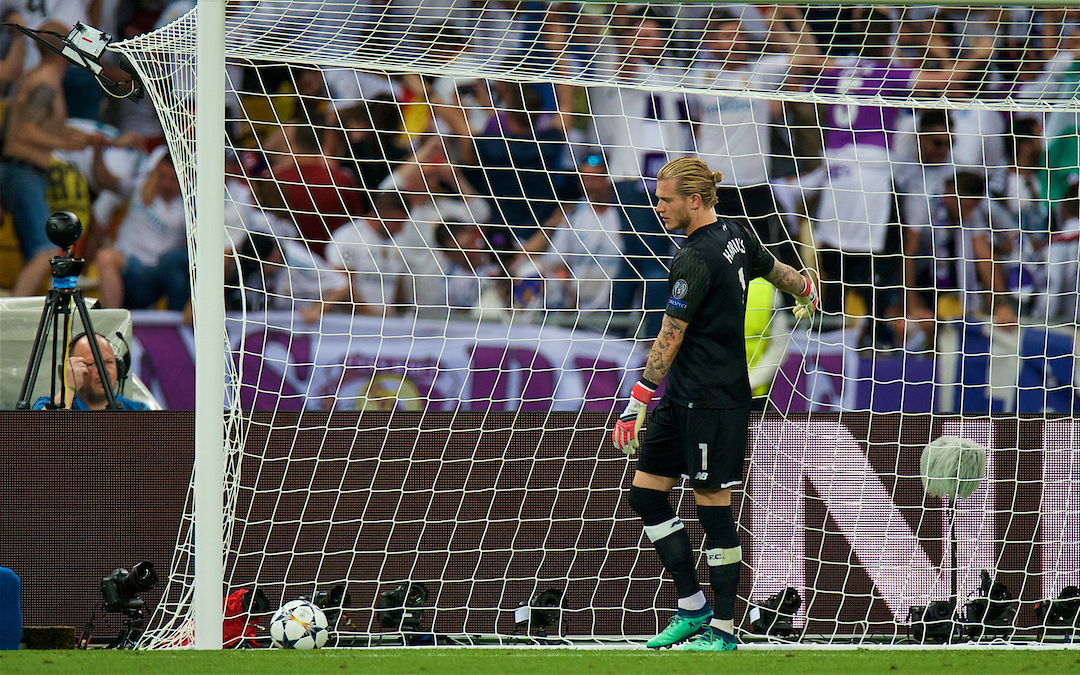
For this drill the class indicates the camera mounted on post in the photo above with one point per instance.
(83, 46)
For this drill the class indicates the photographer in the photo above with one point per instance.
(84, 389)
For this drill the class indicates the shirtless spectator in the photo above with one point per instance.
(36, 126)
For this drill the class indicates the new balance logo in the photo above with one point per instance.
(701, 475)
(657, 532)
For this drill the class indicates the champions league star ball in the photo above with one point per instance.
(299, 625)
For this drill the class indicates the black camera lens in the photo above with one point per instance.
(144, 575)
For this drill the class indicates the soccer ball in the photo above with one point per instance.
(299, 625)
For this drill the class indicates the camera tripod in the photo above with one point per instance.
(127, 638)
(129, 634)
(63, 230)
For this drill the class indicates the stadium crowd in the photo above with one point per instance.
(393, 194)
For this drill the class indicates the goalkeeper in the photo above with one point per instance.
(699, 429)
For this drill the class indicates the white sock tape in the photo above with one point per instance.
(657, 532)
(723, 556)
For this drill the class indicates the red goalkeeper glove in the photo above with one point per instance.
(625, 434)
(806, 303)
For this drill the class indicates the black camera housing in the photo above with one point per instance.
(776, 616)
(403, 607)
(255, 602)
(544, 610)
(63, 228)
(992, 612)
(120, 589)
(935, 622)
(1060, 616)
(67, 267)
(332, 602)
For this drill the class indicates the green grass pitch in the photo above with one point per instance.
(476, 661)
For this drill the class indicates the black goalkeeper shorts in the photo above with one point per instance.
(707, 445)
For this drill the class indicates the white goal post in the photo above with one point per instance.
(440, 281)
(209, 304)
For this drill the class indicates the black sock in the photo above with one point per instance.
(724, 555)
(668, 536)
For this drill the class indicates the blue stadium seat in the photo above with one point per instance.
(10, 610)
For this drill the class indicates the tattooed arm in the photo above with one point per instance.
(665, 348)
(36, 121)
(786, 278)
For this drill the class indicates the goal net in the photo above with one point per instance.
(444, 272)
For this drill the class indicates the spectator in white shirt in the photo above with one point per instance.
(367, 249)
(280, 274)
(470, 274)
(579, 251)
(150, 256)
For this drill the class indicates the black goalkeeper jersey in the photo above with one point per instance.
(707, 289)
